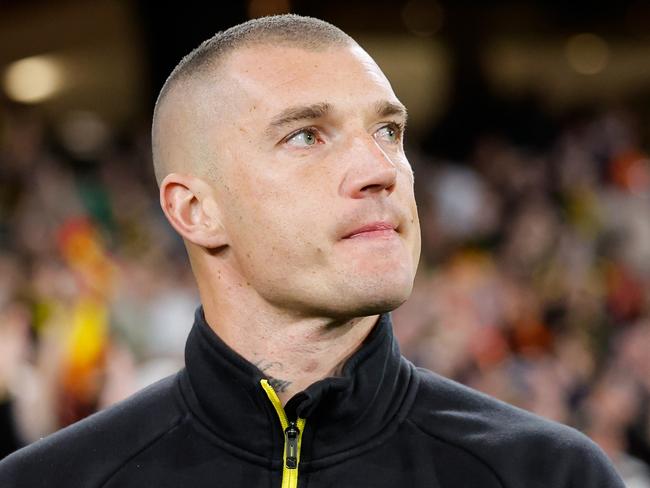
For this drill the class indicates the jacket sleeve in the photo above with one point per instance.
(582, 463)
(522, 449)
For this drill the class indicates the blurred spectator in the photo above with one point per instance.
(538, 292)
(94, 303)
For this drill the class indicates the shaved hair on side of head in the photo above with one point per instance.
(293, 30)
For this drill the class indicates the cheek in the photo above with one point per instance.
(276, 214)
(417, 245)
(411, 213)
(268, 227)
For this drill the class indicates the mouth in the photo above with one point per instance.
(374, 230)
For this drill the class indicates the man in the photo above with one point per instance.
(278, 150)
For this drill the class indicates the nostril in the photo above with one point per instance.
(377, 187)
(372, 188)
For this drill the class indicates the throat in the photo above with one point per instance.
(304, 359)
(288, 381)
(275, 374)
(292, 353)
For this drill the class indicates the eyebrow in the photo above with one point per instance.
(383, 108)
(304, 112)
(386, 109)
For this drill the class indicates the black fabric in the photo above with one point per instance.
(383, 423)
(9, 438)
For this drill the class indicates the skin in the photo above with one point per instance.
(266, 194)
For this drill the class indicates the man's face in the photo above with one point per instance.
(315, 188)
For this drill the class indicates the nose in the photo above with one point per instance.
(370, 170)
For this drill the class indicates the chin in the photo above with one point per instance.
(377, 308)
(372, 298)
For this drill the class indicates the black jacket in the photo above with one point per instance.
(383, 423)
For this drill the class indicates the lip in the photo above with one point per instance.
(374, 229)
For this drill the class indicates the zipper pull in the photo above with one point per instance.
(292, 433)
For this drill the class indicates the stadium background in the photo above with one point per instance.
(528, 133)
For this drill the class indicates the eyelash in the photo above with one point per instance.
(398, 127)
(313, 130)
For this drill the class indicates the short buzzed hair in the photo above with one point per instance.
(289, 29)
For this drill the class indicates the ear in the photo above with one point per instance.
(190, 207)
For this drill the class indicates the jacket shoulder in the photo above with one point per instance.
(86, 453)
(521, 448)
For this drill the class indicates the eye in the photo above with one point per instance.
(303, 138)
(390, 133)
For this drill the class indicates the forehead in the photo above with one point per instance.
(265, 78)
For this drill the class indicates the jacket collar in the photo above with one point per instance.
(370, 396)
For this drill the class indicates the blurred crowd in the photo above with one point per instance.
(96, 296)
(534, 285)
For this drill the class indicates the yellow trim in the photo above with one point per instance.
(289, 475)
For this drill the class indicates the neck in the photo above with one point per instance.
(293, 351)
(297, 354)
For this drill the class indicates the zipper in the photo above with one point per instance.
(293, 430)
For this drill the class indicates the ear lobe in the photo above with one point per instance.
(191, 210)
